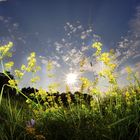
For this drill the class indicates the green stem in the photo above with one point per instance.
(2, 66)
(1, 93)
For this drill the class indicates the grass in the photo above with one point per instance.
(108, 118)
(13, 117)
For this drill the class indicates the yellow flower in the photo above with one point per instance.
(94, 91)
(8, 65)
(53, 87)
(127, 94)
(82, 62)
(42, 93)
(32, 64)
(112, 78)
(60, 100)
(10, 44)
(101, 73)
(33, 54)
(97, 46)
(114, 93)
(35, 79)
(19, 74)
(12, 83)
(50, 75)
(49, 66)
(23, 67)
(112, 66)
(85, 83)
(68, 98)
(105, 58)
(4, 50)
(128, 70)
(67, 88)
(28, 101)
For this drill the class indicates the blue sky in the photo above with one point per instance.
(109, 18)
(43, 26)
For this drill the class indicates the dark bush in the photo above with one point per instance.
(7, 91)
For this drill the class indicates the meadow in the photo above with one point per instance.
(88, 114)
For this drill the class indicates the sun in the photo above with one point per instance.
(71, 78)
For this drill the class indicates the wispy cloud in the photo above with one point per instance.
(128, 47)
(73, 47)
(135, 23)
(54, 61)
(97, 67)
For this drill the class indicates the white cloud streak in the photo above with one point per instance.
(129, 47)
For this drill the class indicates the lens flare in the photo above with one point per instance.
(71, 78)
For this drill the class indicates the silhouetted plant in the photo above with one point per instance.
(4, 82)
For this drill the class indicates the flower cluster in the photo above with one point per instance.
(12, 83)
(41, 94)
(129, 73)
(97, 46)
(49, 68)
(19, 74)
(32, 65)
(108, 60)
(85, 83)
(4, 50)
(35, 79)
(53, 87)
(9, 65)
